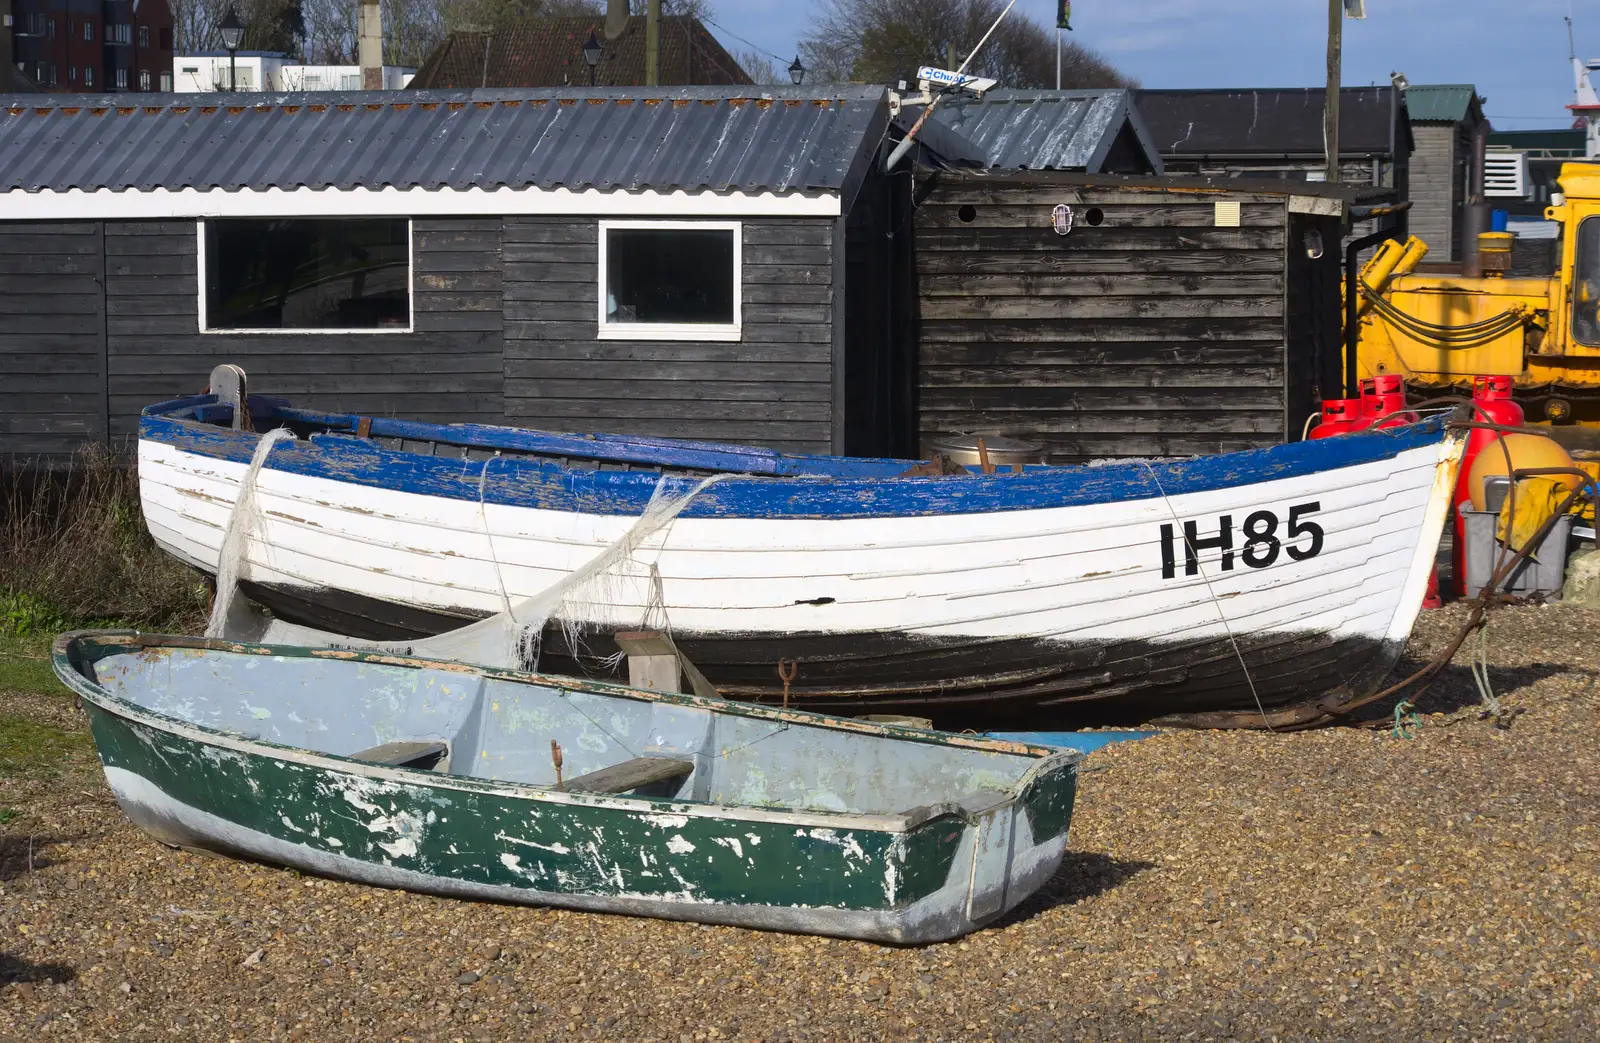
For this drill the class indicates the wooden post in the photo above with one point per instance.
(1330, 115)
(655, 663)
(652, 662)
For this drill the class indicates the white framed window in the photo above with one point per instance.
(670, 280)
(88, 76)
(166, 83)
(305, 275)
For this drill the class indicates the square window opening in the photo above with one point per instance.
(1586, 283)
(669, 280)
(308, 274)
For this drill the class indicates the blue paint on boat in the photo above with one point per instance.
(771, 485)
(1083, 742)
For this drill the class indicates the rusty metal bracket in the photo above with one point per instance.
(788, 669)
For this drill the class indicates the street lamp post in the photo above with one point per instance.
(232, 32)
(591, 54)
(797, 72)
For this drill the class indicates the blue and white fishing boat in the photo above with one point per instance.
(1259, 587)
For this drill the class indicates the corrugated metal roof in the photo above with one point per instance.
(717, 139)
(1272, 121)
(1441, 102)
(1046, 130)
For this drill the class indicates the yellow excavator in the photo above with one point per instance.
(1439, 331)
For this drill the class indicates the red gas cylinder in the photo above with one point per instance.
(1383, 401)
(1340, 416)
(1491, 397)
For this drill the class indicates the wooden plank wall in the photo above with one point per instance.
(447, 370)
(772, 388)
(1437, 176)
(52, 339)
(1314, 323)
(1153, 334)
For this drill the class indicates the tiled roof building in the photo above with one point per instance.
(548, 52)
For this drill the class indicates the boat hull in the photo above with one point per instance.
(954, 682)
(929, 874)
(1253, 583)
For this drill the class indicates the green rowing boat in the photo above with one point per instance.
(480, 783)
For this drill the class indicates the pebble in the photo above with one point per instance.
(1339, 884)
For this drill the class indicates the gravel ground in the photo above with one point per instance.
(1337, 884)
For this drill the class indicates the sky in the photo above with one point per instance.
(1515, 51)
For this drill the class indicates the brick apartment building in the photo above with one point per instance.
(92, 46)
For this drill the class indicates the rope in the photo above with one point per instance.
(1406, 722)
(1480, 675)
(483, 519)
(1486, 597)
(1221, 615)
(233, 557)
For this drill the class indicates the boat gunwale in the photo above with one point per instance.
(728, 457)
(540, 481)
(74, 650)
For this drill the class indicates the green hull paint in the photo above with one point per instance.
(898, 877)
(520, 841)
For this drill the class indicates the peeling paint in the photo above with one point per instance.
(557, 849)
(383, 824)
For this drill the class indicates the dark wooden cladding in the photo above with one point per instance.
(52, 339)
(1147, 330)
(1313, 324)
(100, 319)
(447, 369)
(772, 387)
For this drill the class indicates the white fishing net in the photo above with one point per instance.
(590, 599)
(233, 559)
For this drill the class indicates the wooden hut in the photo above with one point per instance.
(1125, 316)
(666, 261)
(726, 263)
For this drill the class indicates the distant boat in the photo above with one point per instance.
(1257, 587)
(443, 778)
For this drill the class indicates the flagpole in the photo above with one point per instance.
(1058, 57)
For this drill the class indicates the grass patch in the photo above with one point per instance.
(28, 748)
(25, 664)
(74, 552)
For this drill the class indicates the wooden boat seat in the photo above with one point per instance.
(424, 755)
(630, 775)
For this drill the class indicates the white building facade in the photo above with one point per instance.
(208, 72)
